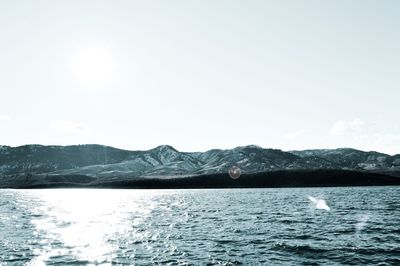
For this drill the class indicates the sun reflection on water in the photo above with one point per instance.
(88, 224)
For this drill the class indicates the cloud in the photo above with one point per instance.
(293, 135)
(342, 127)
(5, 117)
(387, 143)
(69, 127)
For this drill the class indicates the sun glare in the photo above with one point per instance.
(94, 66)
(88, 224)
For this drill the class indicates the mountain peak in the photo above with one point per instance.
(249, 147)
(165, 148)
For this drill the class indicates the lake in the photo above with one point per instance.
(206, 226)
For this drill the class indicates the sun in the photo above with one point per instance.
(94, 66)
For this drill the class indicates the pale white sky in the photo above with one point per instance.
(201, 74)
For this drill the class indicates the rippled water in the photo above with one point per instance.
(186, 227)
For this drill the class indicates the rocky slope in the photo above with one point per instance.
(98, 161)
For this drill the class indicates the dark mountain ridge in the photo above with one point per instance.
(97, 163)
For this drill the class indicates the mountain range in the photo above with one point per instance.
(96, 163)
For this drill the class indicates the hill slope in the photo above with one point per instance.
(89, 163)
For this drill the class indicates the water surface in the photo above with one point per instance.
(191, 227)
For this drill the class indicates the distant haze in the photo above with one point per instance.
(201, 74)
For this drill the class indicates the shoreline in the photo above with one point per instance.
(272, 179)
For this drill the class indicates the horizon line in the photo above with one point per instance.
(240, 146)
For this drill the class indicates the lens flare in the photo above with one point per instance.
(235, 172)
(319, 204)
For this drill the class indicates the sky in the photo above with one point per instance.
(199, 75)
